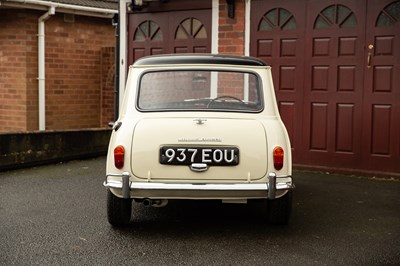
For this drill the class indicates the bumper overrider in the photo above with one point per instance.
(159, 189)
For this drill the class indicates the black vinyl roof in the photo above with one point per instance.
(174, 59)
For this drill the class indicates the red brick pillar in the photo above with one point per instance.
(107, 65)
(231, 30)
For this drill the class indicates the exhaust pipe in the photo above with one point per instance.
(155, 203)
(147, 202)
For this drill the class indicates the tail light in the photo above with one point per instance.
(119, 160)
(278, 155)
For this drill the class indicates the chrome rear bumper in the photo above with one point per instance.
(262, 189)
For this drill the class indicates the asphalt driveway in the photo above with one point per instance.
(56, 215)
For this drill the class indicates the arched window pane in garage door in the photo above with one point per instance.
(335, 15)
(277, 18)
(389, 15)
(191, 28)
(148, 30)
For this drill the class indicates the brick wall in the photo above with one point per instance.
(73, 70)
(13, 71)
(231, 30)
(230, 84)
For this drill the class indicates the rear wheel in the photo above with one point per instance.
(279, 209)
(119, 211)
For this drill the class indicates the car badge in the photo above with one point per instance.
(200, 121)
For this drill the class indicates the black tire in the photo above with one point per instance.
(119, 211)
(279, 209)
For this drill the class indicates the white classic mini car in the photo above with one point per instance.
(199, 127)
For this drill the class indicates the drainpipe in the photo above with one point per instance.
(215, 25)
(41, 66)
(122, 50)
(247, 28)
(214, 46)
(116, 61)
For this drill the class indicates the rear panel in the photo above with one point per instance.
(244, 137)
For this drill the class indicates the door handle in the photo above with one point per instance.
(369, 60)
(369, 57)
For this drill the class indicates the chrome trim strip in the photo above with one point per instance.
(177, 186)
(192, 186)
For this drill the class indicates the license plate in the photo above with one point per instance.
(226, 156)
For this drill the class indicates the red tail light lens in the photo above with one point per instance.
(119, 153)
(278, 155)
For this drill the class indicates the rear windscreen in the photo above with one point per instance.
(199, 90)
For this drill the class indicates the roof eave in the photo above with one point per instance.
(62, 8)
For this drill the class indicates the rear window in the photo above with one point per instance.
(200, 91)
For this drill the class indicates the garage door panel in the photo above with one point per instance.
(345, 128)
(138, 53)
(182, 50)
(383, 79)
(287, 111)
(200, 49)
(287, 76)
(321, 46)
(346, 79)
(155, 51)
(319, 127)
(264, 48)
(347, 46)
(381, 122)
(320, 78)
(288, 47)
(384, 45)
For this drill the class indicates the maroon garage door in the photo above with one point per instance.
(169, 32)
(336, 67)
